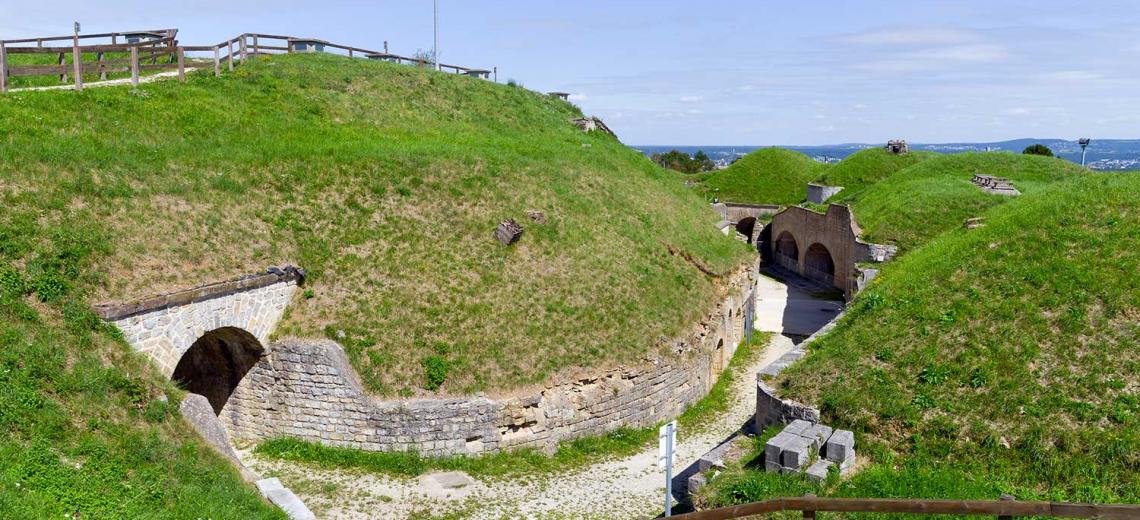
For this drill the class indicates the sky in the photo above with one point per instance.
(728, 72)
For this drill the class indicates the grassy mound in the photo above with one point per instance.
(386, 183)
(919, 202)
(1004, 359)
(87, 428)
(863, 168)
(768, 176)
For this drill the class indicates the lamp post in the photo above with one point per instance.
(1084, 142)
(435, 26)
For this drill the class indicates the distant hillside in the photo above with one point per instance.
(861, 169)
(921, 201)
(767, 176)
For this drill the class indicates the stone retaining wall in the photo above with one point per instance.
(306, 389)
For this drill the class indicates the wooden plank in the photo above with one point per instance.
(158, 33)
(86, 48)
(230, 61)
(99, 66)
(946, 507)
(62, 61)
(255, 49)
(135, 67)
(38, 70)
(217, 64)
(241, 48)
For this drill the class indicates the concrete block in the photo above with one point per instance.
(819, 432)
(840, 447)
(696, 481)
(818, 471)
(797, 453)
(776, 445)
(773, 466)
(797, 427)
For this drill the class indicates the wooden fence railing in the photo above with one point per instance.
(1006, 508)
(160, 50)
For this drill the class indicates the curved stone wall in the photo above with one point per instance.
(306, 389)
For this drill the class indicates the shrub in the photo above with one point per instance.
(1038, 149)
(435, 368)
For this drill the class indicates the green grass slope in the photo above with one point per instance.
(386, 183)
(87, 428)
(863, 168)
(1004, 359)
(919, 202)
(767, 176)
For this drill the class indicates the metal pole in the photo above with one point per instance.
(435, 49)
(1084, 150)
(669, 469)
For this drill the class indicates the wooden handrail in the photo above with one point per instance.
(999, 508)
(162, 33)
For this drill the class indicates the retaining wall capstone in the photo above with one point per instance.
(307, 390)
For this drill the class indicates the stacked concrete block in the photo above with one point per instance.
(811, 448)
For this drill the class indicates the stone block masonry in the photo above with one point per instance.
(306, 389)
(164, 327)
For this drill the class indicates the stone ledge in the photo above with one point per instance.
(117, 311)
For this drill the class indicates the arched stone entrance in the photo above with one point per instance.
(818, 264)
(746, 226)
(215, 364)
(787, 252)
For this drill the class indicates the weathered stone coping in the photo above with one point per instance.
(117, 311)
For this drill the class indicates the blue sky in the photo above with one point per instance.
(734, 73)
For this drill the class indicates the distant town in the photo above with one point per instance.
(1106, 154)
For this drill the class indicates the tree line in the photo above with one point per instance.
(680, 161)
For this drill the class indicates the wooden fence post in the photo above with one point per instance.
(77, 62)
(217, 61)
(255, 50)
(134, 66)
(809, 514)
(1006, 498)
(230, 59)
(63, 61)
(181, 65)
(99, 66)
(241, 48)
(3, 68)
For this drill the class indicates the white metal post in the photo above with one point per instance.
(670, 428)
(435, 25)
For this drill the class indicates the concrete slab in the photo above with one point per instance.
(819, 432)
(798, 427)
(290, 504)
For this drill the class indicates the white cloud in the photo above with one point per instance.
(911, 36)
(1071, 75)
(691, 99)
(578, 97)
(859, 106)
(978, 53)
(1017, 111)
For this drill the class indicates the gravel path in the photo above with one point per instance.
(630, 487)
(107, 83)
